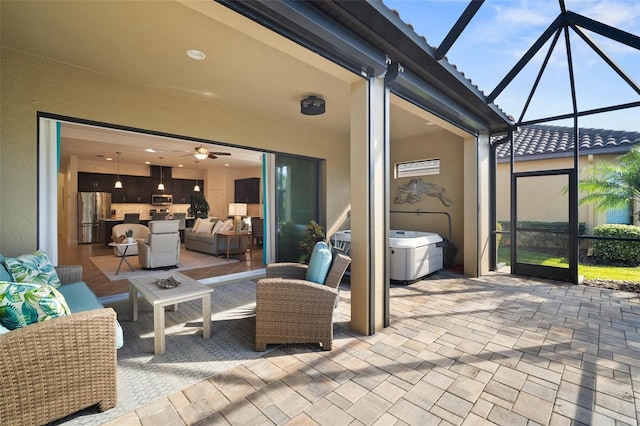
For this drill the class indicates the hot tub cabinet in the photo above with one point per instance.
(414, 254)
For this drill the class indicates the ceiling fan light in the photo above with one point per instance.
(201, 155)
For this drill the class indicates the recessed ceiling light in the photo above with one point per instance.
(147, 162)
(108, 158)
(150, 150)
(180, 165)
(196, 54)
(226, 164)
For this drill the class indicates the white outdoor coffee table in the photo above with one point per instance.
(158, 297)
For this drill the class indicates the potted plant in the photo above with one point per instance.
(313, 233)
(129, 235)
(199, 206)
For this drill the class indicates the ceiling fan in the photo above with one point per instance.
(202, 153)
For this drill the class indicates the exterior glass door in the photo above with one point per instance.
(544, 228)
(297, 203)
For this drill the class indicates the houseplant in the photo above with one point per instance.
(199, 206)
(129, 235)
(313, 233)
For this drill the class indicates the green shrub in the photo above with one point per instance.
(541, 239)
(617, 252)
(498, 236)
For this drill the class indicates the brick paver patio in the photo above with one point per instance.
(494, 350)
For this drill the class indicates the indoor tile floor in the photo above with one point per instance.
(459, 351)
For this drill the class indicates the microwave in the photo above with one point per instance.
(161, 199)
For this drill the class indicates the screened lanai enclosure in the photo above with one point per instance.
(548, 231)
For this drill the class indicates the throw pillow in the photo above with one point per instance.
(22, 304)
(33, 268)
(205, 227)
(217, 227)
(228, 225)
(196, 225)
(319, 263)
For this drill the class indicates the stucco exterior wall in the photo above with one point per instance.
(32, 84)
(449, 148)
(544, 199)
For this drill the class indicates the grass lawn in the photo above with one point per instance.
(590, 272)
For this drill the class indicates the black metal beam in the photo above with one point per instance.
(539, 76)
(458, 28)
(557, 23)
(605, 30)
(581, 114)
(606, 58)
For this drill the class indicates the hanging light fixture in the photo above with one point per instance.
(161, 184)
(118, 184)
(196, 188)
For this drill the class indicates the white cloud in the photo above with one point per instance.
(620, 14)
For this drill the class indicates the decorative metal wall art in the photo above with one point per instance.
(414, 190)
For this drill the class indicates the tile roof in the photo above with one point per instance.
(542, 142)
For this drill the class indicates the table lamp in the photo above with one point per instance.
(237, 210)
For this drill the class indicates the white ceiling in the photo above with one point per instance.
(145, 42)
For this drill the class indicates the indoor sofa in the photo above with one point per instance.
(212, 243)
(53, 368)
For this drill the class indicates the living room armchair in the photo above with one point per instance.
(140, 232)
(161, 248)
(291, 309)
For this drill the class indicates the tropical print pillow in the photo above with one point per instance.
(22, 304)
(33, 268)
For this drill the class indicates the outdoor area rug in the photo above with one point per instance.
(188, 358)
(188, 260)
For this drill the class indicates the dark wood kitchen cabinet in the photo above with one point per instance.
(247, 191)
(182, 190)
(137, 189)
(92, 182)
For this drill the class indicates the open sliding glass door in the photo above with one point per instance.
(543, 228)
(297, 202)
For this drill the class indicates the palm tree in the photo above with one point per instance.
(613, 185)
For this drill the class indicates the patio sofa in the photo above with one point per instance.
(53, 368)
(210, 242)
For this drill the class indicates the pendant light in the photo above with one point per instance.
(161, 184)
(196, 188)
(118, 184)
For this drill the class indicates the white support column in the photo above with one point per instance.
(48, 189)
(369, 168)
(476, 205)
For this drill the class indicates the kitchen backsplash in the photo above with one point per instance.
(144, 209)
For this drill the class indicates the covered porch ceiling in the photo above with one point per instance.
(247, 67)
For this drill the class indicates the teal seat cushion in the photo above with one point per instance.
(319, 263)
(3, 329)
(5, 275)
(80, 298)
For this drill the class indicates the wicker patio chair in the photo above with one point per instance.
(290, 309)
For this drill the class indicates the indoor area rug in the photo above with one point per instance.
(188, 358)
(188, 260)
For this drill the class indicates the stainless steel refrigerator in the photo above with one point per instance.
(92, 208)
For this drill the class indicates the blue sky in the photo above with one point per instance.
(503, 30)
